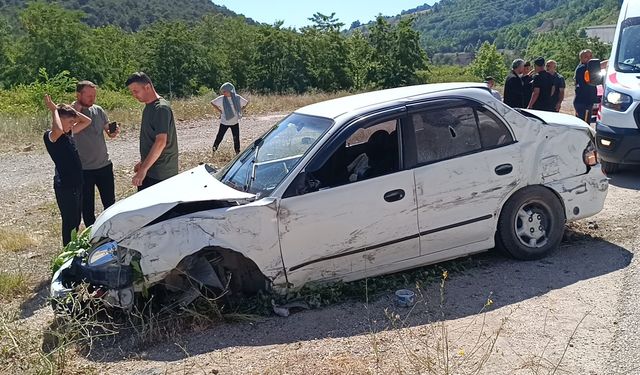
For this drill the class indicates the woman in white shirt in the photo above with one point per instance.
(230, 106)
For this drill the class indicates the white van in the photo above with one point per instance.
(618, 123)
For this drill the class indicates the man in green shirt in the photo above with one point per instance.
(158, 139)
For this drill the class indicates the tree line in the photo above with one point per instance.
(185, 58)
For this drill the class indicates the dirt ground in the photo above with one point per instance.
(575, 312)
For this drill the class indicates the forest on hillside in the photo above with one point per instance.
(130, 15)
(451, 26)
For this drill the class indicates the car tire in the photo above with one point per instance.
(531, 224)
(609, 168)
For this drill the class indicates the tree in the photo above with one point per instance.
(117, 54)
(396, 53)
(5, 56)
(409, 55)
(55, 39)
(359, 57)
(172, 57)
(488, 62)
(324, 23)
(327, 65)
(278, 63)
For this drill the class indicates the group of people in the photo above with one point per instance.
(543, 88)
(76, 144)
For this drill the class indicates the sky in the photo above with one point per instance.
(294, 13)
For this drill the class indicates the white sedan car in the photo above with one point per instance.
(349, 188)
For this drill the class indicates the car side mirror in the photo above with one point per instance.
(593, 74)
(303, 183)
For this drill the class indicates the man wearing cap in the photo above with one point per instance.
(513, 86)
(542, 88)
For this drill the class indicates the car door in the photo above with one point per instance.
(466, 163)
(350, 221)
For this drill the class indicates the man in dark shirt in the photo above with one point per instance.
(586, 94)
(558, 85)
(158, 139)
(67, 181)
(542, 88)
(527, 82)
(513, 86)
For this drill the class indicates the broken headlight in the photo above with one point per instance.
(103, 254)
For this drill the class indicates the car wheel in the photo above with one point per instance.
(531, 223)
(608, 167)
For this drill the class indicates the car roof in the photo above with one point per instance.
(631, 9)
(336, 107)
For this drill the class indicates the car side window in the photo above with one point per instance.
(443, 133)
(493, 132)
(367, 152)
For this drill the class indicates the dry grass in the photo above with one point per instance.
(12, 285)
(14, 241)
(19, 134)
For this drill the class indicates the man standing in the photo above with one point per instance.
(527, 82)
(586, 94)
(97, 169)
(513, 86)
(542, 88)
(558, 85)
(158, 139)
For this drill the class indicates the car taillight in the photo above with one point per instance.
(590, 155)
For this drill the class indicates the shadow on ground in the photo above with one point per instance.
(36, 301)
(627, 178)
(508, 281)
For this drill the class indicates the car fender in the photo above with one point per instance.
(250, 230)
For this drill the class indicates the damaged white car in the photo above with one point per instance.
(349, 188)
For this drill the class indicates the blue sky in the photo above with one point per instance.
(294, 13)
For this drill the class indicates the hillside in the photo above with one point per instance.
(130, 15)
(462, 25)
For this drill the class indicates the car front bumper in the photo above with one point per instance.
(618, 145)
(113, 284)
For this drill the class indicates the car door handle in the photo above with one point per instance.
(394, 195)
(503, 169)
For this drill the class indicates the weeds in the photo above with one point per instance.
(12, 285)
(14, 241)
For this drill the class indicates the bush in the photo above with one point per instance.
(446, 73)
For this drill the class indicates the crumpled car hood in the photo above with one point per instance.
(138, 210)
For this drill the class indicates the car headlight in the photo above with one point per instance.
(103, 254)
(616, 100)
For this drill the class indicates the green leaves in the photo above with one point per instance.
(54, 48)
(79, 244)
(489, 62)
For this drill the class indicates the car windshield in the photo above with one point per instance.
(628, 56)
(260, 169)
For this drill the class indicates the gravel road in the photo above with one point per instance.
(575, 312)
